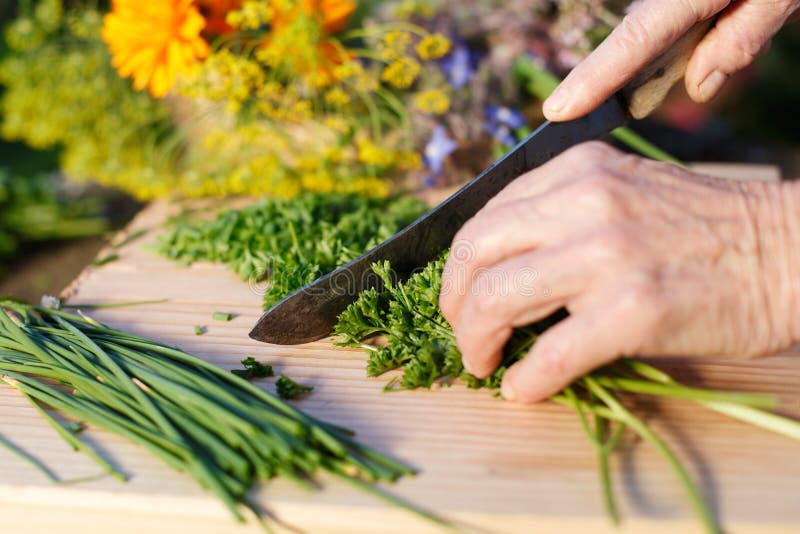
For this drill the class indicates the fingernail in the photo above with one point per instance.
(507, 391)
(709, 87)
(467, 366)
(557, 102)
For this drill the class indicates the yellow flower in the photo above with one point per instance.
(337, 124)
(408, 160)
(395, 45)
(337, 97)
(402, 73)
(433, 101)
(154, 42)
(348, 69)
(433, 47)
(251, 16)
(318, 182)
(371, 154)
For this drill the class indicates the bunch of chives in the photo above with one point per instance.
(199, 419)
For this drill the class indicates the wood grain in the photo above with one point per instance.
(488, 465)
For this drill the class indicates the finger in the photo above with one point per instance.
(742, 32)
(523, 223)
(512, 294)
(646, 32)
(594, 335)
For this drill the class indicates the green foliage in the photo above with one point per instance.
(253, 369)
(62, 92)
(418, 338)
(199, 419)
(32, 210)
(290, 242)
(289, 389)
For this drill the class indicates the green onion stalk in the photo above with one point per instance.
(197, 418)
(417, 339)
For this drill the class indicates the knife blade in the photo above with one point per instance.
(311, 313)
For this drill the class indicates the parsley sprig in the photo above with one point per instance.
(290, 243)
(417, 339)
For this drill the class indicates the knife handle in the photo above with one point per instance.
(648, 89)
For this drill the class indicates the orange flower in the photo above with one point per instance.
(335, 14)
(215, 11)
(154, 42)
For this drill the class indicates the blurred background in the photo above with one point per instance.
(52, 226)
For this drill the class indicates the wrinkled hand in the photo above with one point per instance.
(648, 258)
(744, 29)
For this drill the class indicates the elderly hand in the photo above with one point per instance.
(744, 29)
(648, 258)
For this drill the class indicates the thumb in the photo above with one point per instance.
(742, 32)
(574, 347)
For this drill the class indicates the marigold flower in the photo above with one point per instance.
(215, 13)
(335, 13)
(307, 48)
(154, 42)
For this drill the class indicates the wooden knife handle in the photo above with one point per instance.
(648, 89)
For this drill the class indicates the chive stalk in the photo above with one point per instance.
(197, 418)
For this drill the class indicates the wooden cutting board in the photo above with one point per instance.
(488, 465)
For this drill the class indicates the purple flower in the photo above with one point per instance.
(458, 67)
(502, 115)
(438, 149)
(502, 133)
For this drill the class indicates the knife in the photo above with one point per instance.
(311, 313)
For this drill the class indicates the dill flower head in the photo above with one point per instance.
(433, 46)
(154, 42)
(433, 101)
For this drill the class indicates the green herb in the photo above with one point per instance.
(253, 369)
(76, 428)
(130, 238)
(31, 210)
(111, 305)
(289, 389)
(106, 260)
(199, 330)
(197, 418)
(290, 243)
(222, 316)
(419, 341)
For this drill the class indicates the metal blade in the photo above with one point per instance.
(311, 313)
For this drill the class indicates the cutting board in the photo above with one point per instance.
(485, 464)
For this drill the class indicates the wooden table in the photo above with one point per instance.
(486, 464)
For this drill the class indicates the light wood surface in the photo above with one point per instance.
(488, 465)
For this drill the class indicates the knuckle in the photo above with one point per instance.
(589, 154)
(488, 292)
(747, 49)
(643, 295)
(601, 194)
(633, 33)
(616, 245)
(551, 361)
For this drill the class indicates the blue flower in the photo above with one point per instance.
(438, 149)
(507, 116)
(502, 133)
(458, 68)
